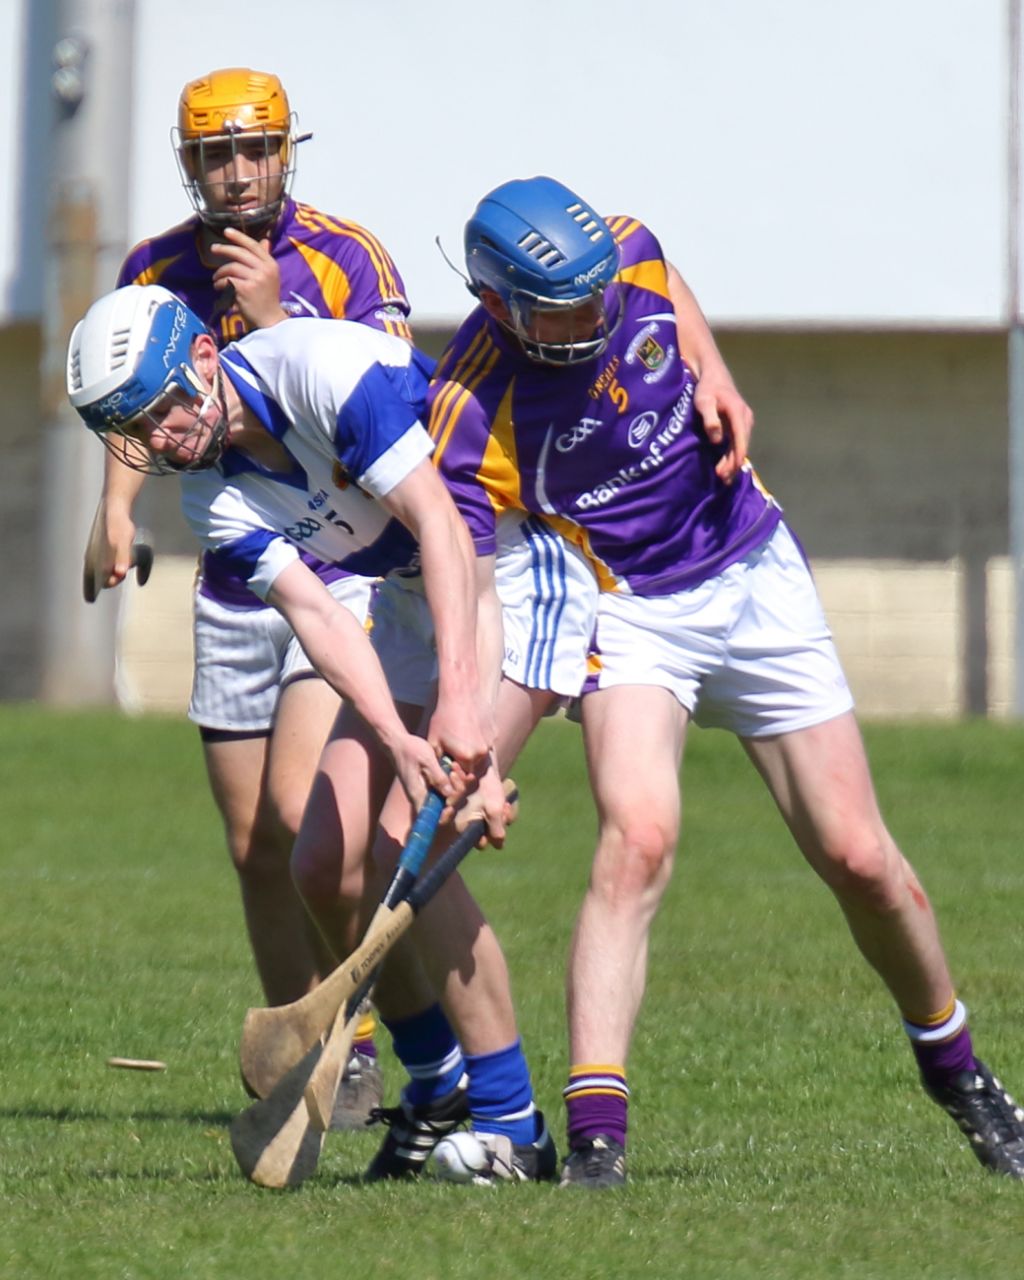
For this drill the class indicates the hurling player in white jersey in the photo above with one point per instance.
(348, 473)
(250, 255)
(308, 435)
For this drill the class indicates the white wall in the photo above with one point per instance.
(802, 161)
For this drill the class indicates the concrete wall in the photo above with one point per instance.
(887, 451)
(21, 478)
(897, 625)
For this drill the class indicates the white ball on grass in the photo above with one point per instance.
(461, 1157)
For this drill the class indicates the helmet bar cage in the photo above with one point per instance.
(129, 441)
(257, 148)
(598, 323)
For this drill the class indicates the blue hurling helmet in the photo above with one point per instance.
(132, 349)
(541, 248)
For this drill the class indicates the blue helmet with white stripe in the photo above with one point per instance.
(542, 249)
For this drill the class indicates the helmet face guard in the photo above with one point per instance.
(552, 261)
(235, 148)
(563, 332)
(197, 449)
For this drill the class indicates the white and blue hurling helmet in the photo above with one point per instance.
(132, 349)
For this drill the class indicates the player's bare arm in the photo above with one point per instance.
(462, 723)
(109, 550)
(726, 415)
(340, 650)
(488, 799)
(490, 643)
(248, 267)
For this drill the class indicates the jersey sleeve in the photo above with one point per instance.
(356, 275)
(641, 261)
(234, 532)
(169, 259)
(379, 438)
(465, 452)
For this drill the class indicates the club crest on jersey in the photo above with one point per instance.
(297, 305)
(343, 479)
(646, 348)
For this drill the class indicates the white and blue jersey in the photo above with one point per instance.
(346, 403)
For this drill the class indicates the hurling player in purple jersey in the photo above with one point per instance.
(248, 257)
(570, 394)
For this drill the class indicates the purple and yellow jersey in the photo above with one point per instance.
(329, 268)
(610, 452)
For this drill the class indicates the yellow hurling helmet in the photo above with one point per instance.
(235, 145)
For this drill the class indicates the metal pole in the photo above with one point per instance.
(90, 80)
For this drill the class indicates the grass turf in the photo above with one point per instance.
(777, 1128)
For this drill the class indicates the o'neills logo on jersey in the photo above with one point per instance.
(588, 277)
(606, 381)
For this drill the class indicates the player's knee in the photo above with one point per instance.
(865, 873)
(313, 873)
(260, 850)
(287, 805)
(318, 874)
(634, 859)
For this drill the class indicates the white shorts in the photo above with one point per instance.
(749, 650)
(549, 599)
(245, 657)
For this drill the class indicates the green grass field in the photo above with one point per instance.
(778, 1129)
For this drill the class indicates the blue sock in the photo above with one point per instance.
(426, 1046)
(501, 1095)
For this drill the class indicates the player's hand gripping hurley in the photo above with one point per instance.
(94, 579)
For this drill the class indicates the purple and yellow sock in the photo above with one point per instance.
(364, 1042)
(942, 1044)
(426, 1046)
(596, 1101)
(500, 1094)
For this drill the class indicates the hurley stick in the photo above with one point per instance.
(274, 1141)
(274, 1039)
(325, 1078)
(141, 560)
